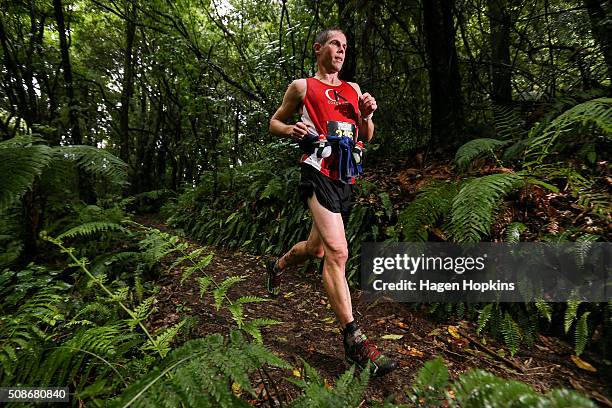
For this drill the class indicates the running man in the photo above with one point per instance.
(328, 106)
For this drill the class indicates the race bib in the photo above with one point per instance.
(340, 129)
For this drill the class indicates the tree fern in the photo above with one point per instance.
(474, 206)
(163, 339)
(476, 148)
(253, 327)
(432, 204)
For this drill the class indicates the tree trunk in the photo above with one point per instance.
(601, 26)
(61, 28)
(499, 20)
(346, 11)
(127, 85)
(444, 80)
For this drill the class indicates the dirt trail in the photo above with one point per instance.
(309, 332)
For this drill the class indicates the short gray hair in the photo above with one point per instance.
(324, 35)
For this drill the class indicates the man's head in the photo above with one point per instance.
(330, 49)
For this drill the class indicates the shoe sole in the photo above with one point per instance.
(269, 272)
(377, 371)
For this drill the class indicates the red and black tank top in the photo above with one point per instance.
(328, 103)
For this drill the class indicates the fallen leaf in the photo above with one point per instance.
(410, 351)
(328, 320)
(392, 336)
(327, 384)
(453, 332)
(401, 324)
(288, 294)
(583, 364)
(297, 373)
(435, 332)
(236, 389)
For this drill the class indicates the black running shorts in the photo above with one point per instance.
(331, 194)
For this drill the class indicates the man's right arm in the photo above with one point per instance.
(294, 97)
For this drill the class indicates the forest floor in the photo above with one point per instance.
(309, 332)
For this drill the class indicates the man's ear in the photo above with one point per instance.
(316, 47)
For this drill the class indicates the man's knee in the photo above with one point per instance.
(337, 253)
(315, 251)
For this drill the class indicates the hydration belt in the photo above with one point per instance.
(338, 141)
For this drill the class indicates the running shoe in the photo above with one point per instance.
(273, 279)
(360, 350)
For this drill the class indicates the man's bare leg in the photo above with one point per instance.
(303, 250)
(330, 228)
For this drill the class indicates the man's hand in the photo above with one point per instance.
(367, 104)
(298, 131)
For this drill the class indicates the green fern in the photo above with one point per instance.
(347, 393)
(513, 232)
(483, 317)
(252, 327)
(91, 228)
(221, 291)
(161, 343)
(430, 384)
(544, 309)
(432, 204)
(196, 267)
(204, 283)
(582, 333)
(19, 167)
(476, 148)
(94, 161)
(511, 333)
(570, 313)
(507, 122)
(597, 112)
(200, 373)
(474, 207)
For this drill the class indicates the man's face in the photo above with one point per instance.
(332, 53)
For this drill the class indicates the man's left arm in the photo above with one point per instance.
(367, 106)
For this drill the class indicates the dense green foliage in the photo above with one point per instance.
(112, 107)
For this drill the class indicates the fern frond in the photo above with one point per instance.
(483, 317)
(476, 148)
(199, 266)
(582, 333)
(253, 327)
(200, 373)
(91, 228)
(474, 207)
(513, 232)
(544, 309)
(432, 204)
(597, 112)
(162, 341)
(220, 292)
(204, 282)
(511, 333)
(570, 313)
(19, 167)
(97, 162)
